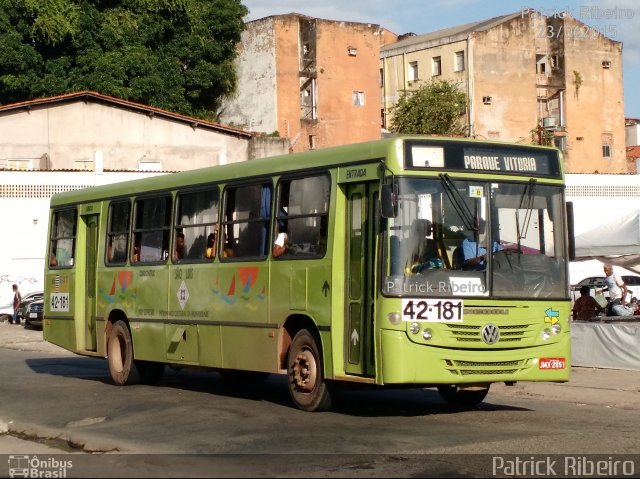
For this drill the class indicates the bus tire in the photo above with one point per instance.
(457, 396)
(307, 386)
(122, 367)
(150, 372)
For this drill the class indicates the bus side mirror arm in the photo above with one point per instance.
(570, 231)
(388, 194)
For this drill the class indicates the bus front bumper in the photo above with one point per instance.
(405, 362)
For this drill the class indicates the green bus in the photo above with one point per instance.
(408, 261)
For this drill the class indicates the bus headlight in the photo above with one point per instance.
(394, 318)
(556, 328)
(414, 328)
(427, 334)
(546, 333)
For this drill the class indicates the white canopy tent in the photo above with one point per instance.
(616, 241)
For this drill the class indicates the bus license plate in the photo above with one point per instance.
(432, 310)
(33, 315)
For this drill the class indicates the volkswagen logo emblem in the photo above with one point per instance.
(490, 333)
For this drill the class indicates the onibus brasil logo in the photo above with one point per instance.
(32, 466)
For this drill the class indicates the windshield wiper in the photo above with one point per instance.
(461, 207)
(526, 202)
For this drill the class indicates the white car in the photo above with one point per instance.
(6, 312)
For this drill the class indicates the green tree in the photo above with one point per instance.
(436, 108)
(172, 54)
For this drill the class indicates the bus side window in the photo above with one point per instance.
(302, 215)
(246, 220)
(118, 232)
(63, 239)
(151, 231)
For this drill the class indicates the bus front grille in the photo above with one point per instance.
(467, 368)
(472, 333)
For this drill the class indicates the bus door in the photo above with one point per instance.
(91, 223)
(362, 224)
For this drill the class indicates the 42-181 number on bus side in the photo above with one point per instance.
(59, 302)
(440, 310)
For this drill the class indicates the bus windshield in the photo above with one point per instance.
(476, 238)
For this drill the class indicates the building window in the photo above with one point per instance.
(413, 71)
(83, 165)
(352, 51)
(149, 166)
(458, 61)
(606, 151)
(19, 164)
(560, 142)
(381, 77)
(312, 142)
(486, 100)
(541, 64)
(358, 98)
(436, 66)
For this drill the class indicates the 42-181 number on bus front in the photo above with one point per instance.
(433, 310)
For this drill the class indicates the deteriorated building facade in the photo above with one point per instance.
(527, 77)
(313, 81)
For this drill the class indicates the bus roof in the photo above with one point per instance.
(326, 157)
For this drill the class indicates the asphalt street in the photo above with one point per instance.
(593, 386)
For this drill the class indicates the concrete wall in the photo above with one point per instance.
(632, 134)
(254, 105)
(269, 72)
(340, 74)
(396, 70)
(501, 64)
(70, 132)
(595, 110)
(503, 68)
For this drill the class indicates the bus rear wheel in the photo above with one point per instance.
(458, 396)
(122, 367)
(307, 386)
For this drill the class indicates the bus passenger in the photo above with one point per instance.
(280, 245)
(210, 252)
(179, 252)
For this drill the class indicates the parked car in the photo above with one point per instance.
(26, 299)
(34, 314)
(6, 312)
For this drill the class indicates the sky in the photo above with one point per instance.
(617, 19)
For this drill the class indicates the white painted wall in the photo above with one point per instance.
(24, 203)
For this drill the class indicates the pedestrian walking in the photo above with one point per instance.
(17, 299)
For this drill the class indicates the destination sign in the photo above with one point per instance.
(508, 159)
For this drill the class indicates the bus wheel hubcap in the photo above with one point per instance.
(304, 371)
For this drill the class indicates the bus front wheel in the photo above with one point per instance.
(457, 396)
(307, 385)
(122, 367)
